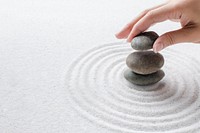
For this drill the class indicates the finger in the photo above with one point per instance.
(178, 36)
(127, 29)
(157, 15)
(175, 20)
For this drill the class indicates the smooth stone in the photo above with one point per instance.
(144, 41)
(143, 79)
(145, 62)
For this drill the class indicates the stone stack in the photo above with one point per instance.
(144, 65)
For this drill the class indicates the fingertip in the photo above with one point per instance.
(155, 50)
(128, 40)
(121, 34)
(117, 36)
(158, 47)
(124, 32)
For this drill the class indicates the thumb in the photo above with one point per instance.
(174, 37)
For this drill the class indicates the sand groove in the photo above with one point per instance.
(98, 92)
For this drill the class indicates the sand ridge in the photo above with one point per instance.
(98, 92)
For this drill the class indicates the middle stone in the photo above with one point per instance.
(145, 62)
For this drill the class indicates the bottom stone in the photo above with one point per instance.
(143, 79)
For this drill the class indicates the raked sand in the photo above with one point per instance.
(50, 82)
(98, 92)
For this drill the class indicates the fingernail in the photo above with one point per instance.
(159, 47)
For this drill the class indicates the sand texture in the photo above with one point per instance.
(99, 93)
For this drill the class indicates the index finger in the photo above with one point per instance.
(157, 15)
(127, 29)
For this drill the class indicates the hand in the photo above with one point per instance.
(187, 12)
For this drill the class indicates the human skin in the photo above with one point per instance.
(187, 12)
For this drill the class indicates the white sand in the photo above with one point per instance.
(39, 39)
(99, 93)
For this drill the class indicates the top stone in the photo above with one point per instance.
(144, 41)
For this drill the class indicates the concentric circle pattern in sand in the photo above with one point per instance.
(98, 92)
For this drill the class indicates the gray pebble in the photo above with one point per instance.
(144, 41)
(145, 62)
(143, 79)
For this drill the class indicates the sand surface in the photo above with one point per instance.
(61, 71)
(99, 93)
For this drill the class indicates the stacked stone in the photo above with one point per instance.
(144, 65)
